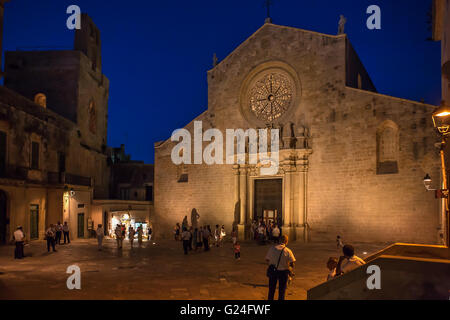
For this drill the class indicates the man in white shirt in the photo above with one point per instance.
(276, 234)
(19, 237)
(283, 260)
(186, 237)
(348, 261)
(66, 232)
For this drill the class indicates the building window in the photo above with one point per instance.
(35, 155)
(124, 194)
(92, 117)
(62, 162)
(148, 193)
(3, 140)
(387, 148)
(359, 81)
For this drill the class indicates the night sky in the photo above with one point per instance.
(156, 53)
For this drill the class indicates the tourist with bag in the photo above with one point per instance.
(281, 262)
(50, 235)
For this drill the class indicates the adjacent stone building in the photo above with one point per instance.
(54, 160)
(352, 160)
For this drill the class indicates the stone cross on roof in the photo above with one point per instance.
(267, 4)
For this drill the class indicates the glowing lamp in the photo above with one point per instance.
(427, 181)
(441, 119)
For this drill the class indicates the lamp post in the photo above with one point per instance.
(441, 121)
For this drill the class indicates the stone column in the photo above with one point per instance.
(300, 217)
(243, 202)
(287, 204)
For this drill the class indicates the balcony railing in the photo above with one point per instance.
(24, 173)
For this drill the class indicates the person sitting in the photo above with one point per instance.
(331, 265)
(348, 261)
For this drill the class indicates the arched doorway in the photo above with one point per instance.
(4, 221)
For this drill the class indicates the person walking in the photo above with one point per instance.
(276, 234)
(185, 236)
(177, 232)
(131, 233)
(19, 238)
(191, 238)
(66, 232)
(149, 233)
(50, 235)
(59, 231)
(184, 224)
(119, 238)
(199, 242)
(206, 234)
(216, 235)
(222, 235)
(237, 251)
(100, 235)
(281, 261)
(140, 233)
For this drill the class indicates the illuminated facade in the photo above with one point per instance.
(352, 160)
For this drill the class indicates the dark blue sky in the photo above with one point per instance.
(156, 53)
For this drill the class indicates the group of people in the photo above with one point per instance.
(121, 231)
(54, 233)
(53, 236)
(346, 263)
(198, 237)
(264, 232)
(281, 262)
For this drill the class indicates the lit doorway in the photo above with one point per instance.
(268, 200)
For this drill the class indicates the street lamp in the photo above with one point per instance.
(441, 121)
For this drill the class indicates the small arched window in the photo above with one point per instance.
(387, 148)
(92, 117)
(41, 100)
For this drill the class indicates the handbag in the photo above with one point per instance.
(272, 269)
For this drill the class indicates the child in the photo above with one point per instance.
(237, 251)
(331, 265)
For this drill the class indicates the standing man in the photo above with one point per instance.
(59, 231)
(118, 233)
(50, 235)
(131, 233)
(149, 232)
(66, 232)
(100, 235)
(281, 261)
(206, 234)
(19, 238)
(186, 237)
(276, 234)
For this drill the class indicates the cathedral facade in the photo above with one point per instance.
(351, 160)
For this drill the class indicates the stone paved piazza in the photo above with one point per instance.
(158, 271)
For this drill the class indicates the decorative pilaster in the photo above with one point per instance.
(242, 201)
